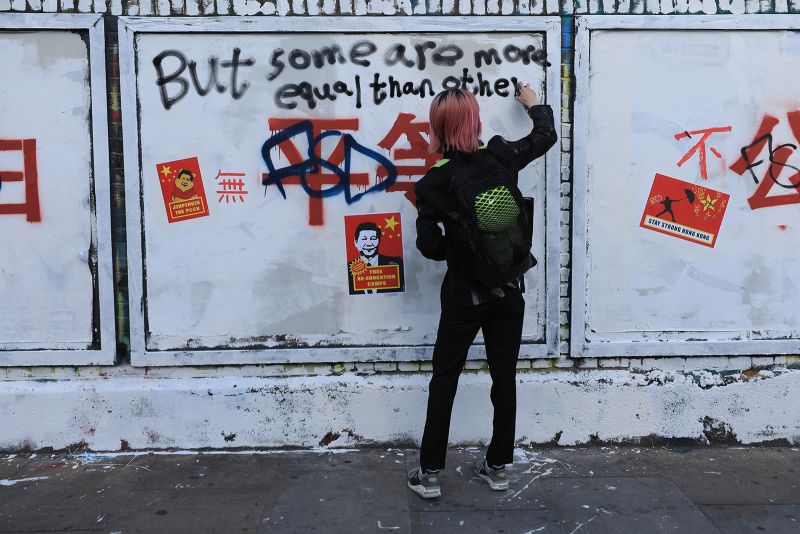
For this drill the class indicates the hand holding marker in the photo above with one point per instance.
(525, 95)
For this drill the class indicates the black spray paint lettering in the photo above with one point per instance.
(777, 157)
(446, 55)
(289, 95)
(482, 87)
(512, 54)
(300, 59)
(394, 88)
(314, 163)
(397, 89)
(311, 93)
(214, 66)
(361, 50)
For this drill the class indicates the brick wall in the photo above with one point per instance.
(400, 7)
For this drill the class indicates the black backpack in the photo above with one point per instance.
(493, 226)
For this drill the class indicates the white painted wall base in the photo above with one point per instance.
(220, 412)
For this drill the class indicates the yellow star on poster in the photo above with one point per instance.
(166, 171)
(708, 203)
(390, 223)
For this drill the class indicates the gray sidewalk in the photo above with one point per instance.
(626, 490)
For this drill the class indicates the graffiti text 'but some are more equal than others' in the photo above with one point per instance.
(177, 73)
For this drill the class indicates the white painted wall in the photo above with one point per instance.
(59, 406)
(56, 280)
(153, 413)
(641, 282)
(258, 273)
(644, 86)
(46, 282)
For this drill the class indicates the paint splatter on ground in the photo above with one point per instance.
(575, 490)
(7, 482)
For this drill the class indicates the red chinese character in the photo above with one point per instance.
(28, 175)
(700, 146)
(231, 187)
(413, 131)
(317, 179)
(778, 157)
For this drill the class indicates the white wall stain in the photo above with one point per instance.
(303, 411)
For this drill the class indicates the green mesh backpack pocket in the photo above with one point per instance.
(496, 209)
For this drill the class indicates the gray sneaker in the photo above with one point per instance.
(496, 478)
(426, 484)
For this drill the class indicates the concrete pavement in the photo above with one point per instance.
(553, 490)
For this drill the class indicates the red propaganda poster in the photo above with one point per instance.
(684, 210)
(182, 188)
(374, 253)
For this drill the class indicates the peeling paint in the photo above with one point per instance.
(557, 407)
(718, 432)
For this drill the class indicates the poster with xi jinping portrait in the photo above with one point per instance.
(374, 253)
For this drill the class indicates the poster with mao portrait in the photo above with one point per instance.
(374, 253)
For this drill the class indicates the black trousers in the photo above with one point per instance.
(501, 322)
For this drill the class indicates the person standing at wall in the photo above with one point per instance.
(469, 304)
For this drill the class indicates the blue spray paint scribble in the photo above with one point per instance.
(313, 162)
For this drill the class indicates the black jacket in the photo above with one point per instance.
(434, 201)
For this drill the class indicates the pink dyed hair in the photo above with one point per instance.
(455, 121)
